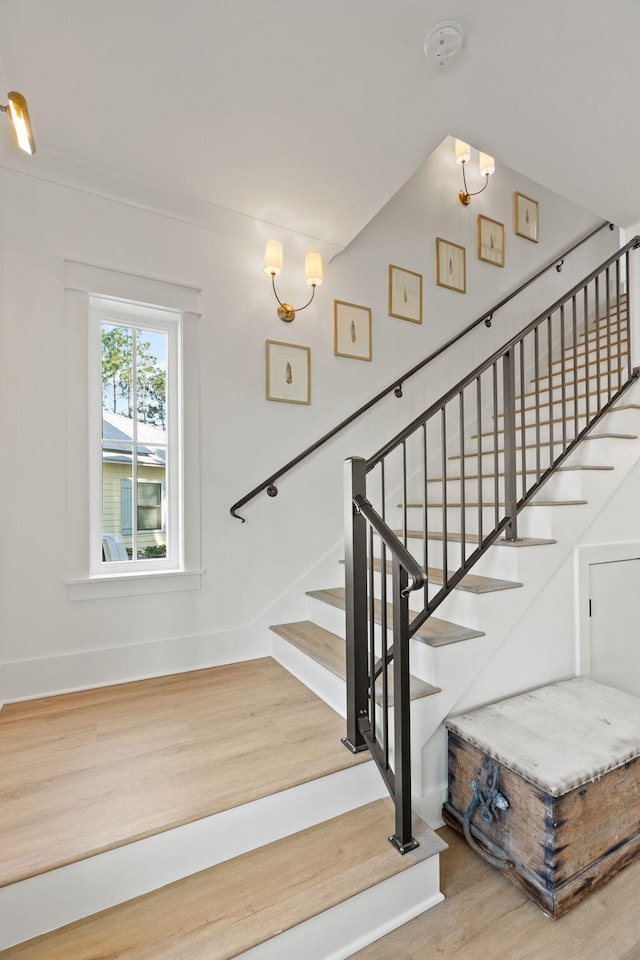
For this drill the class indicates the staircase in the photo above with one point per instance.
(501, 476)
(254, 833)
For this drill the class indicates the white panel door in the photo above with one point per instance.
(614, 590)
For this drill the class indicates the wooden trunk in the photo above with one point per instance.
(567, 756)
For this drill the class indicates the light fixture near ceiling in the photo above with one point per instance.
(487, 166)
(18, 113)
(273, 268)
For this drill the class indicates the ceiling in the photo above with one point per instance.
(310, 116)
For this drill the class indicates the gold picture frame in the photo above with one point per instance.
(490, 241)
(405, 294)
(451, 266)
(288, 371)
(351, 330)
(526, 214)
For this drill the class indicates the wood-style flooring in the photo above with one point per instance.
(89, 771)
(485, 916)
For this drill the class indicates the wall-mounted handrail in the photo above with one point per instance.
(269, 486)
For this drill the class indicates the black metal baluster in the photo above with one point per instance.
(356, 605)
(404, 491)
(425, 508)
(496, 466)
(563, 381)
(596, 307)
(536, 368)
(403, 839)
(510, 492)
(480, 477)
(445, 551)
(523, 418)
(587, 369)
(609, 357)
(463, 499)
(576, 414)
(628, 324)
(550, 368)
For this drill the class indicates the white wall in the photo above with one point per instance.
(48, 642)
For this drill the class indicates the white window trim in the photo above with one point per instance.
(85, 280)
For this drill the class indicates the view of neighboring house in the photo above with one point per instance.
(117, 483)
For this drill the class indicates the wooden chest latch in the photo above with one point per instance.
(488, 796)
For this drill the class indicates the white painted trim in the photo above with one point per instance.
(134, 585)
(91, 278)
(355, 923)
(51, 900)
(89, 669)
(583, 558)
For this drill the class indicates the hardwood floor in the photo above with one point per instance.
(485, 915)
(88, 771)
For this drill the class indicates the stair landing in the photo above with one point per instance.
(88, 772)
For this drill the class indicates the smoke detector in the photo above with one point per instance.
(444, 43)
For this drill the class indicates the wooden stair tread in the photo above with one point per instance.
(329, 650)
(597, 374)
(232, 907)
(572, 353)
(570, 418)
(471, 583)
(531, 470)
(551, 402)
(435, 632)
(491, 505)
(144, 757)
(548, 443)
(473, 538)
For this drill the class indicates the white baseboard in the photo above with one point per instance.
(429, 806)
(66, 673)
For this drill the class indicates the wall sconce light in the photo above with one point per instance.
(487, 166)
(19, 115)
(273, 268)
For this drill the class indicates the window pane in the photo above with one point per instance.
(151, 378)
(151, 511)
(117, 503)
(117, 373)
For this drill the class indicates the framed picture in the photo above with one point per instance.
(490, 241)
(526, 216)
(288, 372)
(405, 294)
(451, 271)
(351, 330)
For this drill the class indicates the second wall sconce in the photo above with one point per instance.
(273, 268)
(487, 166)
(18, 113)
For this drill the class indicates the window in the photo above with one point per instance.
(136, 438)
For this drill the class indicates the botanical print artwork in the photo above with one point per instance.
(351, 330)
(490, 241)
(450, 265)
(405, 294)
(526, 215)
(288, 372)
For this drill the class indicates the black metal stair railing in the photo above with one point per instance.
(478, 456)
